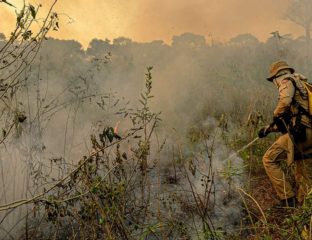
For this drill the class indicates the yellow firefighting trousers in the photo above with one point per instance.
(284, 149)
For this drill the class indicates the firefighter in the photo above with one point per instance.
(291, 117)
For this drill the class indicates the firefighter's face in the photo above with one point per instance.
(276, 83)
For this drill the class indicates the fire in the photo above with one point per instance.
(116, 127)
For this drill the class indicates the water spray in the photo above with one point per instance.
(243, 148)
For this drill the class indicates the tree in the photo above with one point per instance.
(300, 12)
(122, 41)
(244, 39)
(189, 40)
(2, 37)
(99, 48)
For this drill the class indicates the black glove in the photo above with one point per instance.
(263, 132)
(282, 123)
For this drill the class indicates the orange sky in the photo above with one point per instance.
(147, 20)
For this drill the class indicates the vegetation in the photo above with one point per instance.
(88, 152)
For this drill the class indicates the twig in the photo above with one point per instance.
(82, 194)
(249, 215)
(255, 201)
(37, 197)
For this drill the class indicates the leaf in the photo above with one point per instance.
(141, 102)
(32, 11)
(101, 221)
(4, 133)
(143, 96)
(21, 117)
(124, 155)
(109, 134)
(26, 35)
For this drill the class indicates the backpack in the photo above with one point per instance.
(305, 89)
(308, 87)
(298, 130)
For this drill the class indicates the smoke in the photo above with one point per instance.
(148, 20)
(71, 93)
(209, 181)
(228, 175)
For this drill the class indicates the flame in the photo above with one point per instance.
(116, 127)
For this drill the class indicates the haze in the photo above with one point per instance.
(147, 20)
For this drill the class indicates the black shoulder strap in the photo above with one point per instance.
(293, 82)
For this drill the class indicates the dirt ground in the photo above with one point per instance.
(262, 191)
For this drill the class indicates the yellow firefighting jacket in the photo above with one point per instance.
(291, 91)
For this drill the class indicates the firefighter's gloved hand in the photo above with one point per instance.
(282, 122)
(263, 132)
